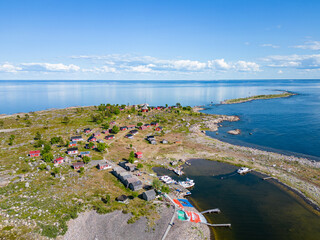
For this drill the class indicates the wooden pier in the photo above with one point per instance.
(216, 210)
(219, 225)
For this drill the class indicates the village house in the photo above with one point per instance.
(135, 186)
(78, 165)
(92, 139)
(58, 160)
(138, 154)
(117, 170)
(134, 132)
(105, 131)
(124, 128)
(82, 154)
(97, 134)
(34, 153)
(130, 136)
(72, 151)
(152, 141)
(124, 175)
(130, 167)
(76, 139)
(130, 127)
(159, 128)
(109, 137)
(147, 125)
(144, 108)
(103, 166)
(149, 195)
(130, 180)
(72, 144)
(122, 199)
(155, 124)
(87, 130)
(164, 141)
(143, 127)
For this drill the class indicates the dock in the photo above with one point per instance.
(266, 178)
(216, 210)
(219, 225)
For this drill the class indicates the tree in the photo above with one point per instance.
(56, 171)
(56, 140)
(90, 144)
(139, 165)
(101, 147)
(115, 129)
(131, 157)
(11, 138)
(47, 157)
(42, 166)
(156, 183)
(66, 120)
(39, 143)
(106, 125)
(26, 116)
(1, 123)
(81, 170)
(38, 136)
(166, 105)
(165, 189)
(46, 148)
(116, 111)
(139, 124)
(86, 159)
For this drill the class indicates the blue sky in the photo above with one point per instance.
(148, 39)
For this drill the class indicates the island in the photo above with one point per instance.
(258, 97)
(64, 170)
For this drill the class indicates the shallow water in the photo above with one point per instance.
(256, 209)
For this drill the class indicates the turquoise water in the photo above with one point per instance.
(256, 209)
(290, 125)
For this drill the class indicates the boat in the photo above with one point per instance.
(243, 170)
(187, 163)
(188, 183)
(166, 179)
(178, 171)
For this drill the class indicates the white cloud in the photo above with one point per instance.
(49, 67)
(9, 68)
(280, 71)
(140, 69)
(243, 66)
(312, 45)
(294, 61)
(269, 45)
(219, 64)
(187, 65)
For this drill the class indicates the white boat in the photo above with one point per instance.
(243, 170)
(178, 172)
(166, 179)
(188, 183)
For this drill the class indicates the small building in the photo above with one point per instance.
(153, 141)
(134, 132)
(164, 141)
(72, 144)
(149, 195)
(103, 166)
(117, 170)
(147, 125)
(122, 199)
(149, 138)
(72, 151)
(130, 167)
(92, 139)
(130, 136)
(34, 153)
(130, 127)
(130, 180)
(124, 128)
(143, 127)
(159, 128)
(106, 131)
(82, 154)
(77, 165)
(76, 138)
(138, 154)
(144, 108)
(155, 124)
(99, 141)
(58, 160)
(123, 176)
(87, 130)
(109, 137)
(135, 186)
(97, 134)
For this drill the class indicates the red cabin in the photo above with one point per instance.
(72, 144)
(78, 165)
(71, 151)
(87, 130)
(123, 128)
(109, 137)
(143, 127)
(158, 128)
(130, 127)
(34, 153)
(92, 139)
(58, 160)
(138, 154)
(155, 124)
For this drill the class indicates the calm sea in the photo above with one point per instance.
(290, 125)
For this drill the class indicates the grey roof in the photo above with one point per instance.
(149, 195)
(137, 183)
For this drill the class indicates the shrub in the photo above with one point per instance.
(47, 157)
(139, 165)
(115, 129)
(86, 159)
(50, 231)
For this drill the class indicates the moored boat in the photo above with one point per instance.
(243, 170)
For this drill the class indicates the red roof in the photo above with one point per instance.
(33, 152)
(138, 153)
(60, 158)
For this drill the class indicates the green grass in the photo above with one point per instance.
(257, 97)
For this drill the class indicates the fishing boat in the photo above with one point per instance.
(243, 170)
(178, 171)
(166, 179)
(188, 183)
